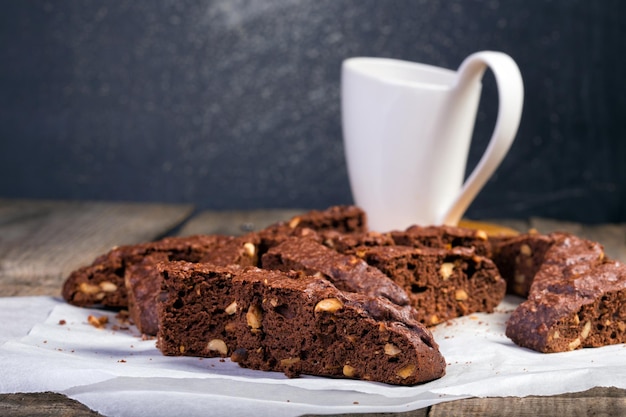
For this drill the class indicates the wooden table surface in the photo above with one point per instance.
(41, 242)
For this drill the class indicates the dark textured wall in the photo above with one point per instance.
(235, 104)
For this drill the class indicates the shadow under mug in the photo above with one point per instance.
(407, 130)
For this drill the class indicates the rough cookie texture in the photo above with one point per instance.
(143, 285)
(441, 283)
(576, 299)
(444, 237)
(346, 272)
(307, 326)
(342, 219)
(573, 310)
(196, 310)
(337, 219)
(143, 280)
(291, 323)
(520, 258)
(103, 281)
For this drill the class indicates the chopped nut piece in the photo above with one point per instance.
(87, 288)
(556, 334)
(434, 319)
(289, 361)
(460, 295)
(254, 316)
(349, 371)
(231, 309)
(329, 305)
(108, 286)
(584, 333)
(230, 327)
(97, 322)
(406, 372)
(574, 344)
(293, 223)
(576, 319)
(249, 249)
(446, 270)
(481, 234)
(181, 349)
(391, 349)
(217, 345)
(525, 250)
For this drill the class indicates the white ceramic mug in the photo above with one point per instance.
(407, 130)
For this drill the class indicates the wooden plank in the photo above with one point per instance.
(42, 404)
(597, 401)
(41, 242)
(234, 223)
(423, 412)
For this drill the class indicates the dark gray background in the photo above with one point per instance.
(232, 104)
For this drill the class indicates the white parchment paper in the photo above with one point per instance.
(48, 345)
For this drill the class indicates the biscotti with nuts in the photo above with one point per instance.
(442, 284)
(143, 280)
(308, 326)
(346, 272)
(444, 237)
(293, 323)
(577, 299)
(574, 310)
(196, 309)
(342, 219)
(102, 282)
(520, 258)
(441, 237)
(336, 219)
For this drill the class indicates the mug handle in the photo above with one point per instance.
(511, 99)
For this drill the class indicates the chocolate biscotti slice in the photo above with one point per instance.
(441, 283)
(576, 299)
(346, 272)
(572, 309)
(308, 326)
(520, 258)
(442, 237)
(143, 280)
(292, 323)
(102, 282)
(445, 237)
(196, 309)
(341, 220)
(143, 285)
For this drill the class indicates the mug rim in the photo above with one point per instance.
(371, 67)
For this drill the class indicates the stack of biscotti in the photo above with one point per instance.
(575, 296)
(367, 272)
(440, 283)
(334, 243)
(126, 276)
